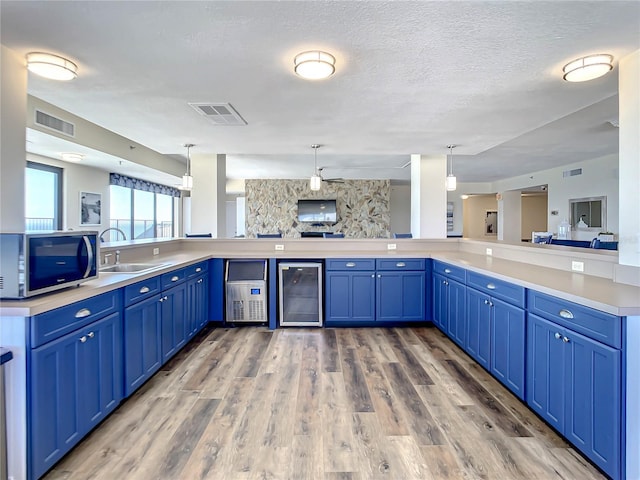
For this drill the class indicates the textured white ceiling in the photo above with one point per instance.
(411, 77)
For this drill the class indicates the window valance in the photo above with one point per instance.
(137, 184)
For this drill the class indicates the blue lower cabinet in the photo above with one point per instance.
(75, 382)
(574, 383)
(400, 296)
(174, 320)
(478, 333)
(350, 296)
(456, 311)
(142, 342)
(439, 302)
(197, 304)
(508, 345)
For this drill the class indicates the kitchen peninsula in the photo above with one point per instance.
(610, 312)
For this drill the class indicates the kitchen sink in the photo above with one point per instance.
(131, 267)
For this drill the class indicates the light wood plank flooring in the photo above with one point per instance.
(358, 404)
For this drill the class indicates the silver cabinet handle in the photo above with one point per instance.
(379, 276)
(372, 275)
(166, 298)
(199, 281)
(491, 286)
(401, 264)
(85, 312)
(486, 302)
(198, 270)
(91, 335)
(564, 313)
(447, 270)
(175, 278)
(144, 290)
(350, 264)
(445, 282)
(565, 339)
(557, 336)
(83, 339)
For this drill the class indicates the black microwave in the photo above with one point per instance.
(40, 262)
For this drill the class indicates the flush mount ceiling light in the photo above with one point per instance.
(588, 68)
(51, 66)
(187, 179)
(314, 65)
(71, 157)
(451, 178)
(316, 180)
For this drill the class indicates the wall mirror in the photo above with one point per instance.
(592, 211)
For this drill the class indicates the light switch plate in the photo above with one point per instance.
(156, 251)
(391, 246)
(577, 266)
(279, 246)
(489, 251)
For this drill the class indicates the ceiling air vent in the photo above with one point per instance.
(54, 123)
(219, 113)
(572, 173)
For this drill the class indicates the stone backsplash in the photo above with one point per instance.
(362, 205)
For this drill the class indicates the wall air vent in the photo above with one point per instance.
(54, 123)
(222, 114)
(572, 173)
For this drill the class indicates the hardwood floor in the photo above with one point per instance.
(358, 404)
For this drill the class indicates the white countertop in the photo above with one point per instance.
(595, 292)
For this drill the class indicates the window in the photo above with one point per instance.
(140, 209)
(43, 197)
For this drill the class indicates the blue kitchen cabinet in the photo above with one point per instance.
(478, 332)
(350, 296)
(142, 341)
(449, 300)
(75, 382)
(197, 304)
(573, 382)
(174, 320)
(400, 296)
(440, 304)
(508, 345)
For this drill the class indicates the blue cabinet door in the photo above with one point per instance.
(456, 311)
(546, 372)
(592, 415)
(142, 342)
(508, 346)
(174, 320)
(54, 423)
(100, 370)
(350, 296)
(76, 381)
(439, 302)
(197, 304)
(478, 331)
(400, 296)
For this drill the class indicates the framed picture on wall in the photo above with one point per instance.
(491, 223)
(90, 208)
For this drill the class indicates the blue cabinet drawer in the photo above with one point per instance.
(51, 325)
(400, 264)
(141, 290)
(196, 269)
(350, 264)
(506, 291)
(600, 326)
(173, 278)
(449, 271)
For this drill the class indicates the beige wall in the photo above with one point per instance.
(474, 210)
(534, 214)
(362, 205)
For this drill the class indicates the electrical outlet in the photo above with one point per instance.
(279, 247)
(156, 251)
(577, 266)
(391, 246)
(489, 251)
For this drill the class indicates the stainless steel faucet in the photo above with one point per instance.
(124, 237)
(117, 257)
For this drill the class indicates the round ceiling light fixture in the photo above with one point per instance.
(51, 66)
(588, 68)
(314, 65)
(71, 157)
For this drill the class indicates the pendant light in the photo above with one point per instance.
(187, 179)
(316, 180)
(451, 178)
